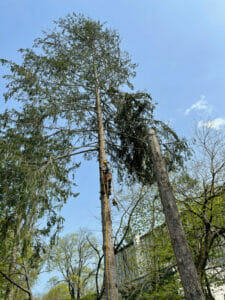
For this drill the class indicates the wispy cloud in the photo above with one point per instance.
(215, 124)
(199, 105)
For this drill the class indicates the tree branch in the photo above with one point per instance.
(14, 283)
(129, 221)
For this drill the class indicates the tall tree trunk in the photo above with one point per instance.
(154, 251)
(12, 265)
(71, 290)
(79, 283)
(110, 275)
(186, 267)
(208, 292)
(78, 292)
(203, 254)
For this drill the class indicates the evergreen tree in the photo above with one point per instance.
(67, 79)
(32, 188)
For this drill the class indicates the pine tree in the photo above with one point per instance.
(68, 79)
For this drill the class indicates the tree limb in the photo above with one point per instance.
(14, 283)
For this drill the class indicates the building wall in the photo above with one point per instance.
(133, 262)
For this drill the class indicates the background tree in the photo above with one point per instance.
(28, 192)
(202, 214)
(201, 192)
(59, 292)
(76, 261)
(157, 273)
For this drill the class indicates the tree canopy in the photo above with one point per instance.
(57, 78)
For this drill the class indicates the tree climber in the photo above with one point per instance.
(107, 170)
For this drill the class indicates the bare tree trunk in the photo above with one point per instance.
(71, 290)
(110, 275)
(208, 292)
(79, 283)
(78, 291)
(186, 267)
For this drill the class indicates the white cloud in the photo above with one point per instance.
(215, 124)
(199, 105)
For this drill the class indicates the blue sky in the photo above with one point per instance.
(179, 46)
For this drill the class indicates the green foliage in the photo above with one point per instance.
(59, 292)
(33, 187)
(148, 213)
(32, 184)
(57, 77)
(75, 259)
(168, 288)
(152, 272)
(133, 120)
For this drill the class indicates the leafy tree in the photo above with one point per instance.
(201, 193)
(156, 265)
(59, 292)
(75, 259)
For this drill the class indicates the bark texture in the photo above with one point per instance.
(186, 267)
(110, 275)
